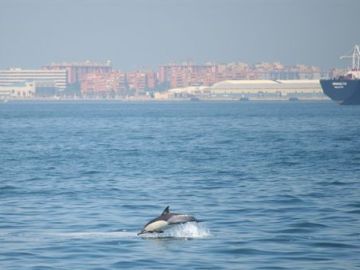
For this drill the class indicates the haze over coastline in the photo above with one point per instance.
(229, 112)
(145, 34)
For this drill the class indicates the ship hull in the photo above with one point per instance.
(343, 91)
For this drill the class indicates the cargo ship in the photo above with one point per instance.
(345, 89)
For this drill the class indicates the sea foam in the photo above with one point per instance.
(188, 230)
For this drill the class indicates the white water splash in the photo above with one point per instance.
(184, 231)
(189, 230)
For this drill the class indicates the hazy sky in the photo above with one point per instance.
(146, 33)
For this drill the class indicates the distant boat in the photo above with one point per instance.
(293, 99)
(243, 98)
(194, 99)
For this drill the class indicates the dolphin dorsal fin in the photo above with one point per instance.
(166, 211)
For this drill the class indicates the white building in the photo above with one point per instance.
(18, 90)
(16, 75)
(257, 89)
(283, 87)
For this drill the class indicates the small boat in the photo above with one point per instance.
(293, 99)
(244, 98)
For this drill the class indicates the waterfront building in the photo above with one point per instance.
(187, 74)
(263, 87)
(151, 80)
(254, 89)
(77, 70)
(182, 75)
(104, 84)
(39, 76)
(142, 81)
(17, 90)
(137, 81)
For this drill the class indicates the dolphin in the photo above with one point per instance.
(166, 219)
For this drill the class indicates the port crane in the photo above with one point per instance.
(355, 55)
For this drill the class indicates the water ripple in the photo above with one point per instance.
(275, 184)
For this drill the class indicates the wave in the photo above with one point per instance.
(183, 231)
(100, 235)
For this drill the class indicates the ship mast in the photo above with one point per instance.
(355, 58)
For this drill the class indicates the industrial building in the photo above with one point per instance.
(254, 89)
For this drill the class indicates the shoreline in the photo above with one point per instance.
(144, 100)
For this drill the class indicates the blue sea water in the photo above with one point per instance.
(277, 185)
